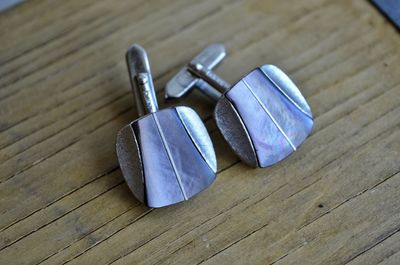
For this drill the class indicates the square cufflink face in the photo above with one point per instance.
(166, 157)
(264, 117)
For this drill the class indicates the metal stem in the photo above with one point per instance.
(209, 76)
(141, 80)
(208, 90)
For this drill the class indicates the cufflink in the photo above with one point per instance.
(166, 156)
(263, 117)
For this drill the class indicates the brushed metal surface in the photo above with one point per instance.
(130, 161)
(234, 131)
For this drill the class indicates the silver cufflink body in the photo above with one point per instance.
(165, 156)
(263, 117)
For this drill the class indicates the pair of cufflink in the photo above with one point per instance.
(167, 156)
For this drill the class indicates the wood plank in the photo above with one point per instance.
(65, 93)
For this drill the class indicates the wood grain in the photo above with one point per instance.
(65, 93)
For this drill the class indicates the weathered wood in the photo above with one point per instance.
(65, 93)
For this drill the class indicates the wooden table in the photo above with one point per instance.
(65, 93)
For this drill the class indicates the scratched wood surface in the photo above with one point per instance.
(65, 93)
